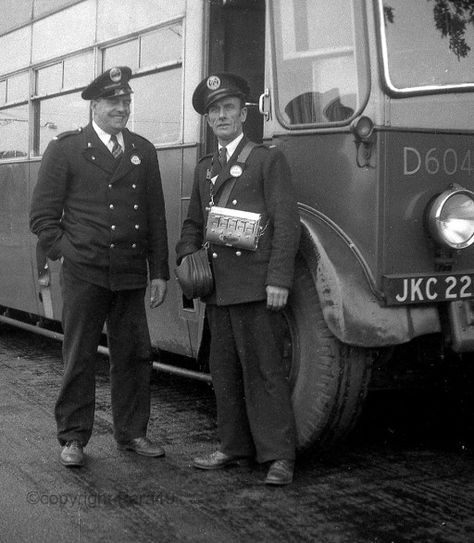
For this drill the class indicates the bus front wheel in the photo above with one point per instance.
(329, 380)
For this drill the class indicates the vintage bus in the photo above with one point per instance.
(372, 102)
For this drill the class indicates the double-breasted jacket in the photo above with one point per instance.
(104, 216)
(264, 187)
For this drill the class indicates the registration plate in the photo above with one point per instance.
(428, 289)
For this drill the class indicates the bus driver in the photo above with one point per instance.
(98, 205)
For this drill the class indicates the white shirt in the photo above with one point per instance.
(232, 146)
(105, 137)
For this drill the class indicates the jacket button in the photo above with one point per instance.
(234, 202)
(110, 185)
(214, 255)
(113, 227)
(135, 206)
(112, 245)
(238, 253)
(137, 227)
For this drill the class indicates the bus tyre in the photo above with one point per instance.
(329, 380)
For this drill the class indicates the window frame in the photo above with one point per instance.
(28, 133)
(405, 92)
(34, 98)
(362, 68)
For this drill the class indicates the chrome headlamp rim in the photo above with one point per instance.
(434, 213)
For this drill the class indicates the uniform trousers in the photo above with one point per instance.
(86, 307)
(254, 412)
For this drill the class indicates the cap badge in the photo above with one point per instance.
(135, 159)
(115, 74)
(213, 82)
(236, 171)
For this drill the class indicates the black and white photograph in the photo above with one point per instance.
(237, 271)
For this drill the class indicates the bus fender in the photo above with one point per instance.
(351, 309)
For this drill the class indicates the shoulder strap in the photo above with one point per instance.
(226, 192)
(67, 134)
(241, 159)
(244, 154)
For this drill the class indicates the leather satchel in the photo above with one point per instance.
(194, 275)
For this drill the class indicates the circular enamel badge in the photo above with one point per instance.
(134, 159)
(213, 82)
(236, 171)
(115, 74)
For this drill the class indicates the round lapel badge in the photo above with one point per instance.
(236, 171)
(135, 159)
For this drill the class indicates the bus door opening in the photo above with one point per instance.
(237, 44)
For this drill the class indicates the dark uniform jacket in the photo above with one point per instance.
(264, 187)
(105, 216)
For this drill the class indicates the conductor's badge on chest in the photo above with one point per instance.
(233, 228)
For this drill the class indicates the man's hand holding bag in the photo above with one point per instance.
(194, 275)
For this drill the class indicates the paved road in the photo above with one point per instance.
(396, 481)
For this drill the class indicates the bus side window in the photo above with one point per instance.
(156, 112)
(57, 115)
(315, 61)
(13, 132)
(313, 107)
(336, 110)
(54, 112)
(14, 118)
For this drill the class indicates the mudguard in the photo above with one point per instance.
(351, 308)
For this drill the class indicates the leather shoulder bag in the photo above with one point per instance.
(194, 275)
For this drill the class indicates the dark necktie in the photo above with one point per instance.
(223, 157)
(117, 148)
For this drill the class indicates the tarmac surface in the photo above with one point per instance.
(406, 476)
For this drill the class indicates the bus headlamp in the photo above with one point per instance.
(450, 218)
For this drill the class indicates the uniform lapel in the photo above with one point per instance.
(215, 167)
(225, 173)
(130, 159)
(96, 152)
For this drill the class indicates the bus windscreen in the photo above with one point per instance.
(427, 44)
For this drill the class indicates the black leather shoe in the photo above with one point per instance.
(72, 454)
(218, 460)
(280, 472)
(143, 446)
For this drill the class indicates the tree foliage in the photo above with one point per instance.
(451, 18)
